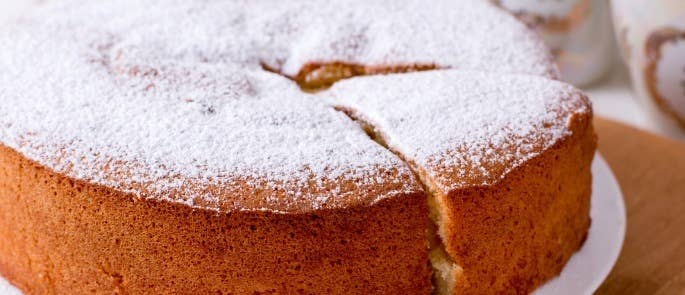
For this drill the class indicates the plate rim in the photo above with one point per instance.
(611, 178)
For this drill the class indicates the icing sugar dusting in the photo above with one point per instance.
(464, 34)
(198, 135)
(167, 98)
(463, 128)
(286, 35)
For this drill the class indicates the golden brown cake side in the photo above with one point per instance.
(71, 237)
(513, 236)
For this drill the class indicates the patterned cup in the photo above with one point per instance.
(578, 32)
(651, 35)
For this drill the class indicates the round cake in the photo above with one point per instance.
(249, 147)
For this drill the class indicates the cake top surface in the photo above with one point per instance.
(463, 128)
(286, 35)
(167, 99)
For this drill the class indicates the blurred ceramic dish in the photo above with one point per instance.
(651, 35)
(578, 32)
(588, 268)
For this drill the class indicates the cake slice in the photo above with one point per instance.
(505, 160)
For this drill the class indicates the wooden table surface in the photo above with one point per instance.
(651, 172)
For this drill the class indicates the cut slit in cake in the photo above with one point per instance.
(445, 271)
(159, 157)
(319, 76)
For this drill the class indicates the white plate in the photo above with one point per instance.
(588, 268)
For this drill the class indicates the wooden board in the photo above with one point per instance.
(651, 172)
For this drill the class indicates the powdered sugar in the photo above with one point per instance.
(465, 34)
(286, 35)
(194, 134)
(463, 128)
(167, 99)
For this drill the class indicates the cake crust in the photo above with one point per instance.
(511, 206)
(65, 236)
(512, 236)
